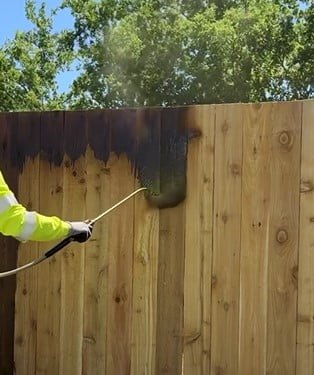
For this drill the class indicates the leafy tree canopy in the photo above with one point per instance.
(30, 63)
(162, 52)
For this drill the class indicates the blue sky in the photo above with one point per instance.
(12, 19)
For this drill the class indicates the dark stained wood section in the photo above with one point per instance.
(8, 246)
(154, 140)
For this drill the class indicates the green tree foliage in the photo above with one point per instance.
(303, 74)
(162, 52)
(183, 52)
(30, 63)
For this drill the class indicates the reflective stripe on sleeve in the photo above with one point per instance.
(28, 226)
(6, 201)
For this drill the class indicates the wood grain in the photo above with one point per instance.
(72, 258)
(170, 275)
(283, 238)
(226, 240)
(305, 321)
(198, 242)
(96, 269)
(207, 287)
(118, 356)
(206, 227)
(49, 273)
(254, 239)
(26, 296)
(144, 307)
(145, 270)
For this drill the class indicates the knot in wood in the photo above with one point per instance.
(284, 138)
(224, 217)
(34, 324)
(226, 306)
(120, 295)
(143, 258)
(282, 236)
(219, 370)
(19, 341)
(235, 169)
(224, 127)
(306, 186)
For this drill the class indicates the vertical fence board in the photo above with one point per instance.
(305, 318)
(206, 228)
(283, 239)
(26, 317)
(93, 273)
(120, 269)
(121, 231)
(170, 298)
(49, 282)
(254, 239)
(72, 257)
(144, 308)
(145, 269)
(72, 274)
(170, 270)
(96, 259)
(227, 239)
(198, 243)
(8, 260)
(193, 258)
(49, 273)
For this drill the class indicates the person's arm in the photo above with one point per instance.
(24, 225)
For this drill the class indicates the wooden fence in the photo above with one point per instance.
(223, 283)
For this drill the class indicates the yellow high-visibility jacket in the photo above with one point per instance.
(24, 225)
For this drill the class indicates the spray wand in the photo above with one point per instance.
(68, 240)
